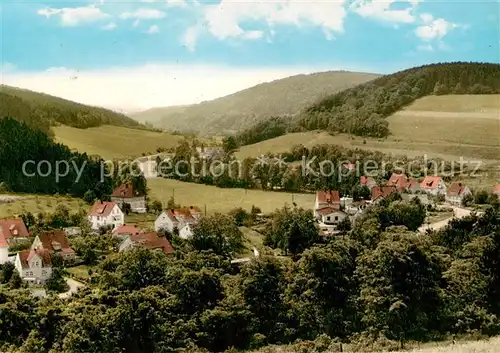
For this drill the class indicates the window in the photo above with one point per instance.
(336, 218)
(328, 218)
(37, 264)
(98, 218)
(44, 273)
(30, 273)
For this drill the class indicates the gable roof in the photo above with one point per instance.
(400, 181)
(496, 189)
(430, 182)
(328, 196)
(328, 210)
(26, 255)
(152, 241)
(186, 214)
(382, 191)
(14, 228)
(125, 229)
(101, 208)
(364, 180)
(456, 189)
(51, 241)
(125, 191)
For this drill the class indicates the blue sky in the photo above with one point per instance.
(178, 48)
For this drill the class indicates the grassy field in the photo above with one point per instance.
(223, 200)
(114, 142)
(36, 204)
(443, 126)
(482, 346)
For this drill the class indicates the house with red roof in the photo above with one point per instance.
(14, 229)
(369, 182)
(54, 241)
(402, 183)
(147, 240)
(381, 192)
(127, 229)
(433, 185)
(456, 193)
(327, 199)
(34, 266)
(496, 190)
(182, 219)
(104, 214)
(126, 193)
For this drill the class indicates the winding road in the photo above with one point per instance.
(458, 212)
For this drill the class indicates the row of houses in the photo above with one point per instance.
(430, 185)
(330, 209)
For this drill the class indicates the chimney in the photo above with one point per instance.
(191, 207)
(101, 202)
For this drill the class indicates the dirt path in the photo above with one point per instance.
(458, 212)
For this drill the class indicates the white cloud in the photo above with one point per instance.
(224, 20)
(178, 3)
(143, 14)
(7, 67)
(109, 27)
(190, 37)
(381, 10)
(75, 16)
(434, 29)
(153, 29)
(142, 87)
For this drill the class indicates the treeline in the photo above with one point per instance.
(362, 110)
(376, 284)
(31, 162)
(42, 111)
(299, 170)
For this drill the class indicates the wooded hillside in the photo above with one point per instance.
(362, 110)
(253, 105)
(43, 110)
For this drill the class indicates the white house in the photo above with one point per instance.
(105, 214)
(328, 219)
(181, 219)
(433, 185)
(4, 249)
(125, 193)
(34, 266)
(456, 193)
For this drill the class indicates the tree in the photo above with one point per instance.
(229, 144)
(156, 206)
(218, 233)
(239, 215)
(400, 286)
(171, 204)
(481, 197)
(126, 208)
(345, 225)
(7, 270)
(291, 230)
(89, 197)
(467, 200)
(56, 281)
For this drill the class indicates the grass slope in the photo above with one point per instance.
(223, 200)
(245, 108)
(443, 126)
(39, 203)
(113, 141)
(43, 110)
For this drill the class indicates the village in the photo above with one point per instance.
(332, 213)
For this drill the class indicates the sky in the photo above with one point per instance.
(134, 55)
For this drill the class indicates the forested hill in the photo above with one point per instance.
(242, 109)
(43, 110)
(362, 110)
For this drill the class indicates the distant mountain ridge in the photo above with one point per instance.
(245, 108)
(42, 111)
